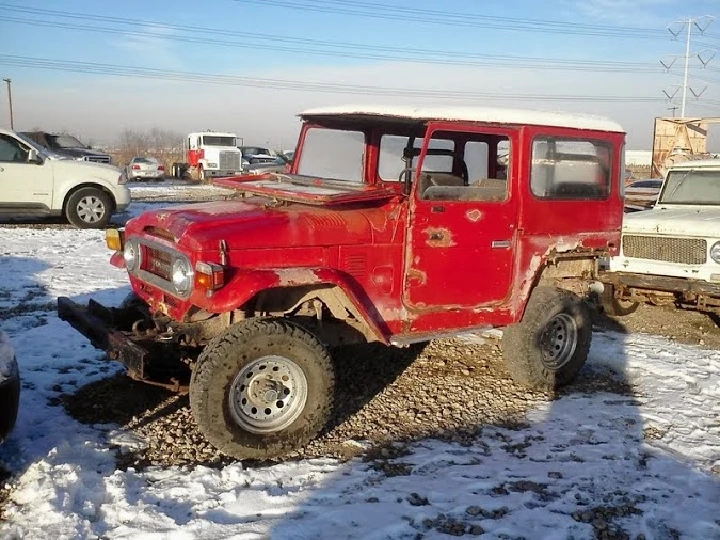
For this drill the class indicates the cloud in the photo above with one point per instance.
(152, 45)
(632, 13)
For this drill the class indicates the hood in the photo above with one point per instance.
(87, 169)
(79, 152)
(256, 226)
(681, 221)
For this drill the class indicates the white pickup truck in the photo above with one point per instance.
(671, 253)
(36, 183)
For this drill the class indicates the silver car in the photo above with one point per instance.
(145, 168)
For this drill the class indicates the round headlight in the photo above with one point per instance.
(181, 275)
(131, 254)
(715, 252)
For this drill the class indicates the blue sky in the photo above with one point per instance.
(101, 105)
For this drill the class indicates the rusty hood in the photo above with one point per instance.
(256, 223)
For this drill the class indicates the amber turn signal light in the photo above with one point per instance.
(209, 276)
(114, 239)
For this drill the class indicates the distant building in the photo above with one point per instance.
(642, 158)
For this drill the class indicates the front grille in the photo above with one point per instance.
(158, 262)
(660, 248)
(98, 159)
(229, 161)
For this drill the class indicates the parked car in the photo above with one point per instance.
(642, 194)
(278, 165)
(145, 168)
(393, 225)
(67, 146)
(256, 154)
(9, 386)
(34, 183)
(670, 254)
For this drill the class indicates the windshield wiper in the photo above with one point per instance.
(680, 183)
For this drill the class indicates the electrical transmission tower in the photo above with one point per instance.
(676, 29)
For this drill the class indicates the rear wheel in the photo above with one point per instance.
(89, 208)
(551, 344)
(262, 389)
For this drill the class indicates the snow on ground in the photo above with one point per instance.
(650, 454)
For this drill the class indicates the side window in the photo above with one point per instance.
(477, 171)
(570, 169)
(392, 150)
(334, 154)
(12, 151)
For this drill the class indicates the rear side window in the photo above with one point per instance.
(571, 169)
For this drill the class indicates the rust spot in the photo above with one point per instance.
(296, 276)
(473, 215)
(439, 237)
(416, 275)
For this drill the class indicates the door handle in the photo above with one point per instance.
(501, 244)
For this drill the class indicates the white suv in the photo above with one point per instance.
(671, 253)
(36, 183)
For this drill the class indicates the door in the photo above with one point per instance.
(461, 238)
(23, 184)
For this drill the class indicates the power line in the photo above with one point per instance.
(118, 70)
(376, 10)
(309, 46)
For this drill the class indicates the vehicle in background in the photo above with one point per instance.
(257, 154)
(395, 225)
(670, 254)
(279, 165)
(35, 184)
(209, 154)
(145, 168)
(67, 146)
(9, 387)
(642, 194)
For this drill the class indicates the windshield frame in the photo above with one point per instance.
(684, 175)
(56, 138)
(41, 150)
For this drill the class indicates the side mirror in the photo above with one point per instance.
(33, 156)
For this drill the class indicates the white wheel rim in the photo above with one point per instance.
(268, 394)
(90, 209)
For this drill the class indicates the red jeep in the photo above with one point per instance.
(395, 225)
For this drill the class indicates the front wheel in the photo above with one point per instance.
(88, 208)
(262, 389)
(550, 345)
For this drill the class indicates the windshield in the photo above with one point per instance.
(65, 141)
(334, 154)
(694, 186)
(213, 140)
(254, 151)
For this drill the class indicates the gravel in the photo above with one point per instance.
(385, 397)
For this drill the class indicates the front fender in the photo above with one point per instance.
(63, 188)
(244, 285)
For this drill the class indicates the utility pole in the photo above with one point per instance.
(676, 29)
(9, 91)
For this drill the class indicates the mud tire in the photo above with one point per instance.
(524, 347)
(225, 357)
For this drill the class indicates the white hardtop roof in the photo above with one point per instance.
(493, 115)
(215, 133)
(704, 163)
